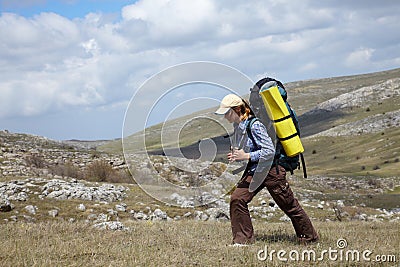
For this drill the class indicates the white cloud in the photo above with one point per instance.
(50, 63)
(178, 16)
(308, 67)
(25, 98)
(91, 47)
(360, 57)
(172, 22)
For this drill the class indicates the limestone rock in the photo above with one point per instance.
(53, 213)
(81, 207)
(31, 209)
(112, 225)
(159, 215)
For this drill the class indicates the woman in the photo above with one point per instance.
(258, 147)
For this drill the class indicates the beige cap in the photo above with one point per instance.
(228, 102)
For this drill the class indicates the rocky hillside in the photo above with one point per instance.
(371, 124)
(30, 155)
(30, 191)
(350, 129)
(365, 96)
(376, 104)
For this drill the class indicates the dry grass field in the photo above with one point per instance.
(360, 171)
(191, 243)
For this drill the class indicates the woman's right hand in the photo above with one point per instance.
(238, 155)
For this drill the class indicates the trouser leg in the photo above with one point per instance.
(242, 227)
(282, 194)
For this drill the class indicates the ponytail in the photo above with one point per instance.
(243, 111)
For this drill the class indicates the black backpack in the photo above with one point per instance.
(256, 104)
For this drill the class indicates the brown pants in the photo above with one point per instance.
(278, 187)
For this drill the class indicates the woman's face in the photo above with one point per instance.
(232, 116)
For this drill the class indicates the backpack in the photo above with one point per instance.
(256, 104)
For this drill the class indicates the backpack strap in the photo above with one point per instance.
(303, 163)
(248, 129)
(249, 123)
(296, 124)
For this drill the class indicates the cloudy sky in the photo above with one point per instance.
(69, 68)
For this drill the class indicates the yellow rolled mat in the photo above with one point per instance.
(283, 122)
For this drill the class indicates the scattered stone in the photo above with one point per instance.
(340, 203)
(271, 208)
(207, 198)
(112, 225)
(187, 204)
(62, 190)
(121, 207)
(216, 214)
(102, 217)
(112, 212)
(177, 198)
(360, 217)
(140, 216)
(284, 218)
(187, 214)
(31, 209)
(159, 215)
(53, 213)
(200, 216)
(81, 207)
(268, 216)
(21, 196)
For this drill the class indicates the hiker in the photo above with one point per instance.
(259, 146)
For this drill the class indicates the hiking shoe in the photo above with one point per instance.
(305, 242)
(238, 245)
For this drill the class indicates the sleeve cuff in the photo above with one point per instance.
(253, 156)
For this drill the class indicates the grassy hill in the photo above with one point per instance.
(321, 104)
(305, 95)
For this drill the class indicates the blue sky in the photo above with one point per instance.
(70, 68)
(67, 8)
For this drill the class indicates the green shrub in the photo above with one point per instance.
(66, 169)
(99, 171)
(36, 161)
(102, 171)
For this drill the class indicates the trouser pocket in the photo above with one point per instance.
(245, 182)
(282, 194)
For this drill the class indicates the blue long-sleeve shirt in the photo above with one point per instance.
(263, 151)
